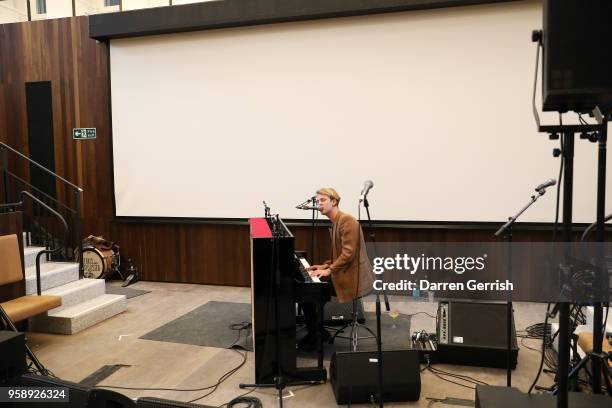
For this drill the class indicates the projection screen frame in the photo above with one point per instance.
(410, 5)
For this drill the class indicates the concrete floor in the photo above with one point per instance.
(172, 365)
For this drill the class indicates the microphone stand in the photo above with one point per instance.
(366, 204)
(310, 204)
(512, 220)
(507, 228)
(313, 202)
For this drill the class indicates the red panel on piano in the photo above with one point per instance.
(260, 228)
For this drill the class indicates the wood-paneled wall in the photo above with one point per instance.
(60, 51)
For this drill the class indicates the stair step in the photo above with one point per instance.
(52, 274)
(79, 317)
(29, 256)
(76, 292)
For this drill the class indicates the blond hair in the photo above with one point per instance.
(330, 192)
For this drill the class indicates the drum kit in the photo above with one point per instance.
(102, 260)
(99, 263)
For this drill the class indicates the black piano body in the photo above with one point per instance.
(272, 247)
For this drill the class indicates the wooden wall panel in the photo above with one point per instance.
(60, 51)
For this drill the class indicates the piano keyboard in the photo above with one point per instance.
(304, 269)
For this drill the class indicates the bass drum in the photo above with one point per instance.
(97, 263)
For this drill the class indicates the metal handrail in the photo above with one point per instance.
(39, 191)
(5, 146)
(46, 251)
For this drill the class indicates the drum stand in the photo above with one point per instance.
(132, 276)
(115, 271)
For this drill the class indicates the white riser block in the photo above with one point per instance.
(52, 275)
(76, 318)
(76, 292)
(29, 256)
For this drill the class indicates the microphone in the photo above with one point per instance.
(306, 207)
(367, 186)
(550, 182)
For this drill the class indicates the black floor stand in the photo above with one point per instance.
(597, 364)
(496, 397)
(366, 204)
(598, 360)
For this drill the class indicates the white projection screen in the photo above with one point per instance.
(433, 106)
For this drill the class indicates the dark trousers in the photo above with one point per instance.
(310, 313)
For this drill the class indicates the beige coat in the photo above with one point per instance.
(351, 271)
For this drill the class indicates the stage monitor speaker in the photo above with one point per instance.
(13, 356)
(101, 398)
(354, 376)
(491, 396)
(577, 42)
(78, 394)
(474, 333)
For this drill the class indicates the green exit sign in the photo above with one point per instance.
(84, 133)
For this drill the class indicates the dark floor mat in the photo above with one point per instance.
(208, 325)
(217, 324)
(128, 292)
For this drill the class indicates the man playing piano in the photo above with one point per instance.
(349, 268)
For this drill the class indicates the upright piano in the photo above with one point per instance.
(273, 254)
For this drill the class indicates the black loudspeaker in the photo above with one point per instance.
(354, 376)
(577, 42)
(490, 396)
(474, 333)
(78, 394)
(12, 356)
(338, 314)
(101, 398)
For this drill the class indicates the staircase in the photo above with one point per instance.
(55, 221)
(84, 301)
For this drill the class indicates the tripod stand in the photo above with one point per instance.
(581, 363)
(602, 359)
(355, 327)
